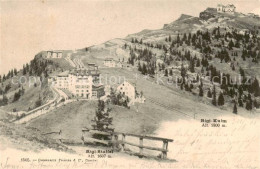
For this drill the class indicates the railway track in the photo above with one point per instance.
(171, 108)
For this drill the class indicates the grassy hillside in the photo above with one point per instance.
(163, 103)
(27, 101)
(25, 138)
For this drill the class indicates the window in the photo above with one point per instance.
(94, 93)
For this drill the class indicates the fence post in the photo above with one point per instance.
(82, 138)
(60, 136)
(123, 142)
(141, 145)
(165, 147)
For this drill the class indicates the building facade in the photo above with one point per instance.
(109, 62)
(82, 83)
(127, 89)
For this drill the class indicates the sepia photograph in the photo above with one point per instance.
(129, 84)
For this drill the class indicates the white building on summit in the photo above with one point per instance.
(230, 8)
(54, 54)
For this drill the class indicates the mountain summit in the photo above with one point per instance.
(221, 16)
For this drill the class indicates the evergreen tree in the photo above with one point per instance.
(231, 45)
(178, 38)
(140, 67)
(200, 91)
(240, 102)
(187, 87)
(166, 73)
(214, 100)
(15, 72)
(256, 105)
(38, 103)
(255, 88)
(24, 70)
(209, 94)
(17, 96)
(144, 71)
(183, 71)
(171, 72)
(170, 38)
(237, 45)
(235, 108)
(221, 100)
(249, 105)
(184, 37)
(192, 65)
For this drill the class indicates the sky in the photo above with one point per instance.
(30, 26)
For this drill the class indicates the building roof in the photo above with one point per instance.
(94, 72)
(225, 6)
(109, 59)
(97, 87)
(131, 82)
(84, 72)
(92, 64)
(231, 6)
(81, 72)
(53, 51)
(63, 74)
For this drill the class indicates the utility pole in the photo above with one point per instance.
(194, 115)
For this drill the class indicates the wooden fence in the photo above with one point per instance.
(118, 138)
(115, 139)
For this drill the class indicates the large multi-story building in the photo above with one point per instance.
(82, 83)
